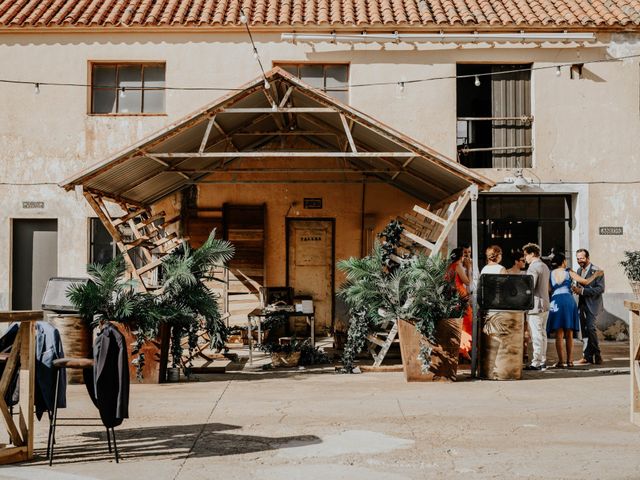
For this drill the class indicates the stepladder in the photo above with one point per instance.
(424, 229)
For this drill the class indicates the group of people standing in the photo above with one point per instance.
(555, 312)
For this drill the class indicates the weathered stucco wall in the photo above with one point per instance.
(585, 131)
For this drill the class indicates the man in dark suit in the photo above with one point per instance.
(590, 306)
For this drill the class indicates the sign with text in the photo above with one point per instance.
(313, 203)
(611, 231)
(32, 204)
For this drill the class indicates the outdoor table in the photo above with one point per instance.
(634, 357)
(22, 356)
(259, 314)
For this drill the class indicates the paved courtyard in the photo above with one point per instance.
(314, 424)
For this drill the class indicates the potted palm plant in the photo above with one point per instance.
(412, 289)
(631, 265)
(109, 297)
(187, 306)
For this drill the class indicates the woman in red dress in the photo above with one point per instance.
(458, 268)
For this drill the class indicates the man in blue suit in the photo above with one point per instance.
(590, 306)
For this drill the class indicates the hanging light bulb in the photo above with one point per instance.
(401, 85)
(243, 17)
(266, 84)
(36, 88)
(122, 92)
(477, 81)
(558, 71)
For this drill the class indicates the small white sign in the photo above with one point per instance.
(32, 204)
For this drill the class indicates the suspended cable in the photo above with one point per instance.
(245, 20)
(39, 84)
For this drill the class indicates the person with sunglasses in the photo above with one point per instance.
(518, 264)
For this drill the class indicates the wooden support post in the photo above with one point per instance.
(634, 358)
(23, 349)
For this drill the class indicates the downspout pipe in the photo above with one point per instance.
(441, 37)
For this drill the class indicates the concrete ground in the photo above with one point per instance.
(314, 424)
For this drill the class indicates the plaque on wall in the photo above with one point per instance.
(313, 203)
(611, 231)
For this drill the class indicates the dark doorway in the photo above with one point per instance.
(494, 115)
(34, 261)
(510, 221)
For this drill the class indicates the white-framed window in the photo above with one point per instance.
(127, 88)
(332, 78)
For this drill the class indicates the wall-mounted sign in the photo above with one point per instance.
(313, 203)
(32, 204)
(611, 231)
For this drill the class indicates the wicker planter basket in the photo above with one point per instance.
(280, 359)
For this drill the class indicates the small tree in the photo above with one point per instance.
(186, 302)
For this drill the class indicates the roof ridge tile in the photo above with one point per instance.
(15, 14)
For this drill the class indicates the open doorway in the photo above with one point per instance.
(34, 261)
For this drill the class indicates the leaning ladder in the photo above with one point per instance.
(420, 227)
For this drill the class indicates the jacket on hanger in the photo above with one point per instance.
(111, 376)
(48, 349)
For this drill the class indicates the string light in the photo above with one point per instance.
(243, 17)
(558, 71)
(354, 85)
(122, 92)
(36, 88)
(477, 81)
(401, 85)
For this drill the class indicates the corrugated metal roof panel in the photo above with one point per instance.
(415, 168)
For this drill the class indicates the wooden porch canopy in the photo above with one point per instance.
(214, 140)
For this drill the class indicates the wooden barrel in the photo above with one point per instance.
(77, 341)
(501, 346)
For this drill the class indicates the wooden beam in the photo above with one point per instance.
(205, 137)
(155, 159)
(462, 202)
(5, 381)
(279, 110)
(286, 96)
(120, 220)
(115, 234)
(418, 240)
(293, 133)
(347, 132)
(431, 216)
(289, 154)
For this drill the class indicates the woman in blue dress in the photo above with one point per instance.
(564, 319)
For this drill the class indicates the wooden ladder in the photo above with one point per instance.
(142, 232)
(423, 230)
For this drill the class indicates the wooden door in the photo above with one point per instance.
(310, 265)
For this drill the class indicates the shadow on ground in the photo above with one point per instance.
(169, 443)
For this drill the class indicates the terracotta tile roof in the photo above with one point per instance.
(516, 14)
